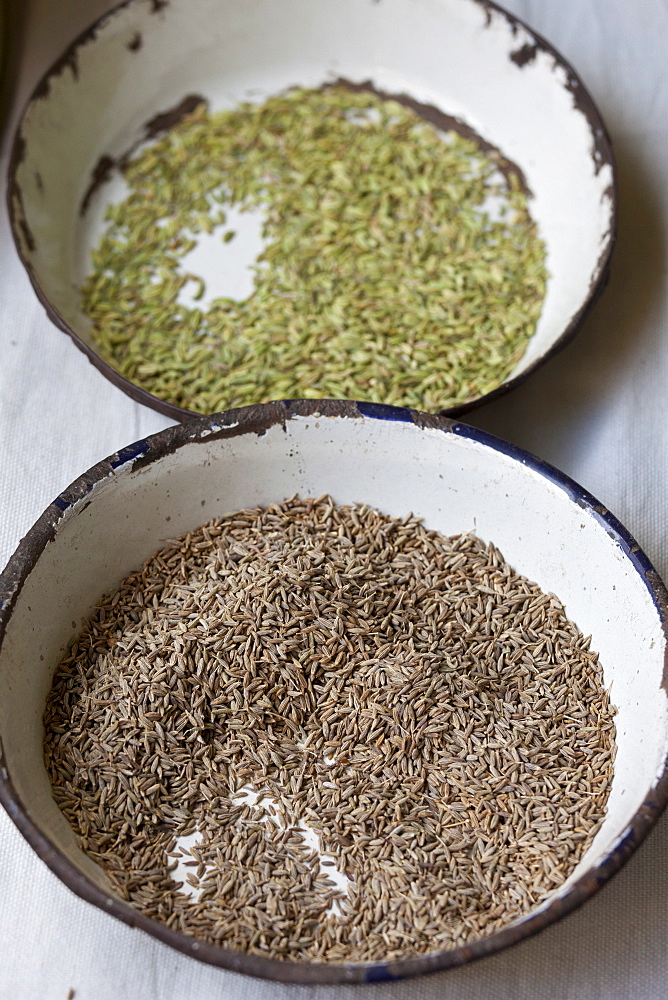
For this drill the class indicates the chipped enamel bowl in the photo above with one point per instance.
(458, 479)
(135, 72)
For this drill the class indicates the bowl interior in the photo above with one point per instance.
(456, 478)
(466, 57)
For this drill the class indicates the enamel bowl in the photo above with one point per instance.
(137, 70)
(457, 479)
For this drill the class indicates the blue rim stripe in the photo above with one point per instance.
(130, 452)
(383, 411)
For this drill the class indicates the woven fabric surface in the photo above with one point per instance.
(598, 411)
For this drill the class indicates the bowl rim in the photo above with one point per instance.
(257, 420)
(602, 153)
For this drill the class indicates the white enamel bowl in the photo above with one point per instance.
(128, 76)
(456, 478)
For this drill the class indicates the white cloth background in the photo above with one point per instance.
(598, 411)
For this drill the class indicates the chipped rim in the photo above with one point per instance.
(257, 420)
(602, 153)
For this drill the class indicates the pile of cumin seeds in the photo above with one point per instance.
(431, 714)
(400, 263)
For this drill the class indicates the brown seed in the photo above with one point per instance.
(429, 715)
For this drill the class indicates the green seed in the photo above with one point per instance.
(383, 275)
